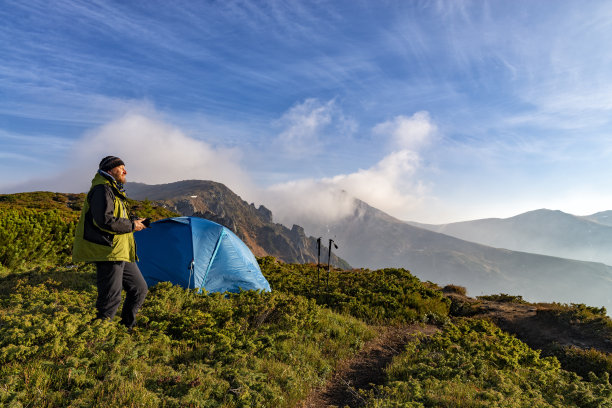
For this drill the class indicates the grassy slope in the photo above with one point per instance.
(579, 336)
(474, 364)
(38, 228)
(251, 349)
(383, 296)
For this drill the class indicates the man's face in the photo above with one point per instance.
(118, 173)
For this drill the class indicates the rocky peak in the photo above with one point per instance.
(265, 214)
(216, 202)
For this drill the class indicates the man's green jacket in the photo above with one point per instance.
(104, 231)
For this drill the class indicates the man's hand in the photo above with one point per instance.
(138, 225)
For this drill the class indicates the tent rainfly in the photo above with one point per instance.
(196, 253)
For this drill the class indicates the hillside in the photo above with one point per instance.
(578, 335)
(38, 227)
(216, 202)
(373, 338)
(603, 218)
(370, 238)
(544, 232)
(373, 239)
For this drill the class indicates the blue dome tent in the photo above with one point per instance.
(197, 253)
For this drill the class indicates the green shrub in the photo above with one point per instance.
(580, 321)
(146, 209)
(586, 320)
(383, 296)
(247, 349)
(37, 229)
(584, 362)
(475, 364)
(459, 290)
(32, 237)
(44, 201)
(503, 297)
(576, 313)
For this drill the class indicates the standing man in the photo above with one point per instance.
(104, 235)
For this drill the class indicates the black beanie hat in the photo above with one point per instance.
(110, 162)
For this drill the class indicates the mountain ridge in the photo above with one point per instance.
(254, 225)
(542, 231)
(366, 319)
(373, 239)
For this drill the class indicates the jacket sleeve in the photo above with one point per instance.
(102, 205)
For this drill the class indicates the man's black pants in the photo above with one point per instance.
(111, 277)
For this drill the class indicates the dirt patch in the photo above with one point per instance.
(366, 369)
(531, 324)
(535, 328)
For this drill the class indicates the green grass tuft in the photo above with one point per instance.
(384, 296)
(475, 364)
(247, 349)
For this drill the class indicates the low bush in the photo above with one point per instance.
(190, 350)
(592, 319)
(37, 229)
(31, 237)
(456, 289)
(383, 296)
(584, 361)
(475, 364)
(503, 297)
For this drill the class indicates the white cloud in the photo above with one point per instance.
(154, 152)
(307, 124)
(307, 201)
(391, 185)
(408, 132)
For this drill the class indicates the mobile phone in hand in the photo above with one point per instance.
(146, 222)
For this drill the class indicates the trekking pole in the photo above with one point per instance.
(331, 241)
(318, 261)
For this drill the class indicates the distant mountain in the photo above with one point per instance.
(370, 238)
(545, 232)
(603, 218)
(216, 202)
(373, 239)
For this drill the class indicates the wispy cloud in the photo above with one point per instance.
(303, 124)
(40, 142)
(154, 152)
(307, 126)
(390, 185)
(24, 157)
(68, 106)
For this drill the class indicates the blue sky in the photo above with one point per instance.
(432, 111)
